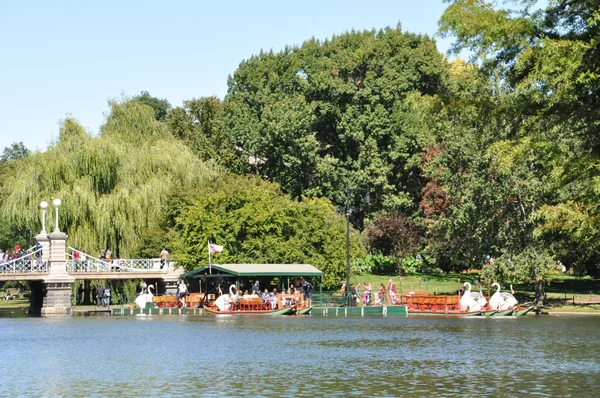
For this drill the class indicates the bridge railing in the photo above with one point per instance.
(93, 264)
(30, 261)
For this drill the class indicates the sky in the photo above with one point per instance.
(69, 58)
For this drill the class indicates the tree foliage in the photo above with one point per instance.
(17, 150)
(199, 124)
(548, 63)
(331, 113)
(256, 223)
(160, 106)
(112, 187)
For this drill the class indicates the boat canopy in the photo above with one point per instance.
(253, 270)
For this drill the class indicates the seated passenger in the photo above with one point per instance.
(273, 299)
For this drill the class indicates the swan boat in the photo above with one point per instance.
(216, 311)
(437, 305)
(284, 305)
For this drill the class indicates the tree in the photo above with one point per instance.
(549, 61)
(393, 234)
(14, 151)
(112, 187)
(318, 117)
(199, 124)
(160, 106)
(552, 55)
(530, 265)
(256, 223)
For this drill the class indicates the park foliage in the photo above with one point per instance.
(496, 156)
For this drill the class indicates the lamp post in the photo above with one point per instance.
(367, 198)
(56, 202)
(43, 206)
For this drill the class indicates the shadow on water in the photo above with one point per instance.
(17, 312)
(299, 356)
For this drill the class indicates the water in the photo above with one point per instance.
(299, 356)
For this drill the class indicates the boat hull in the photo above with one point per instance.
(520, 311)
(304, 311)
(508, 312)
(283, 311)
(453, 313)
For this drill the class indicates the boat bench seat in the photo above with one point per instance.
(254, 303)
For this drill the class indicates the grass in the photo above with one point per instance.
(564, 292)
(448, 283)
(16, 303)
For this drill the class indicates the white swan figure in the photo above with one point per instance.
(502, 301)
(144, 298)
(470, 301)
(482, 300)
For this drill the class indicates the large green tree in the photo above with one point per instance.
(113, 187)
(200, 125)
(257, 223)
(549, 60)
(329, 114)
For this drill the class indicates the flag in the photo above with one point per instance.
(212, 248)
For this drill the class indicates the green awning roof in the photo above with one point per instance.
(256, 270)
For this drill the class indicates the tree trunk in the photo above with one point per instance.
(540, 295)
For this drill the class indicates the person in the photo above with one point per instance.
(76, 259)
(99, 295)
(255, 288)
(309, 293)
(106, 297)
(108, 256)
(356, 295)
(392, 291)
(343, 289)
(164, 257)
(83, 258)
(181, 293)
(382, 294)
(563, 269)
(367, 295)
(80, 291)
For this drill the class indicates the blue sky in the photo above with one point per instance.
(68, 58)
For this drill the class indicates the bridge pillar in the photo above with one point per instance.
(57, 300)
(43, 240)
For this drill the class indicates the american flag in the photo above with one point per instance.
(212, 248)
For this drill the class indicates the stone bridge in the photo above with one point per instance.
(51, 270)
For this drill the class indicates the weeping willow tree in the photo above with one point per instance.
(113, 187)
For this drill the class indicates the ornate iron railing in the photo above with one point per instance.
(31, 261)
(88, 263)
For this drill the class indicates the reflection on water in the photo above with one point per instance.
(299, 356)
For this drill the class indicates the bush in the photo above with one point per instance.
(375, 264)
(410, 265)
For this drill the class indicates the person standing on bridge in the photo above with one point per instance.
(164, 257)
(83, 258)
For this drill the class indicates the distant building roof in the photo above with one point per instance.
(256, 270)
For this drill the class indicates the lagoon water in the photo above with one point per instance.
(299, 356)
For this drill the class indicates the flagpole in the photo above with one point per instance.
(209, 262)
